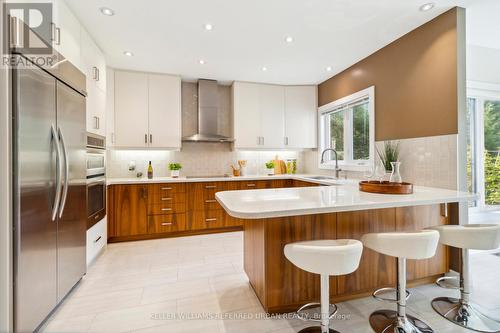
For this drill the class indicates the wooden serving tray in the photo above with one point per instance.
(385, 187)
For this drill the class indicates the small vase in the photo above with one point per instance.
(270, 172)
(395, 175)
(175, 173)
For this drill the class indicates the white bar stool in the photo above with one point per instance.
(403, 245)
(327, 258)
(461, 311)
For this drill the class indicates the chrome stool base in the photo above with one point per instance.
(303, 312)
(316, 329)
(465, 315)
(388, 321)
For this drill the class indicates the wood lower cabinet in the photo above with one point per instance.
(167, 209)
(128, 210)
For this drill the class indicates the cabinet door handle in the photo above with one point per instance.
(210, 201)
(167, 223)
(112, 137)
(263, 141)
(166, 209)
(166, 188)
(166, 199)
(14, 32)
(96, 125)
(210, 186)
(97, 239)
(145, 138)
(210, 220)
(58, 36)
(94, 73)
(150, 138)
(98, 74)
(286, 141)
(250, 185)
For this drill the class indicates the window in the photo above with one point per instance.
(347, 125)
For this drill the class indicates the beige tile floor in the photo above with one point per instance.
(140, 286)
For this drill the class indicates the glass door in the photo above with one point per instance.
(491, 119)
(483, 150)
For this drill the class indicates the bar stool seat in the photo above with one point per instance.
(327, 258)
(403, 245)
(462, 311)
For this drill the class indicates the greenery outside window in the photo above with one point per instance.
(347, 125)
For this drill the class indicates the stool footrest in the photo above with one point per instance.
(302, 315)
(386, 299)
(440, 281)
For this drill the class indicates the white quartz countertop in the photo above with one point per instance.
(280, 202)
(145, 180)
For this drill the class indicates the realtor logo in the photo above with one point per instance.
(28, 28)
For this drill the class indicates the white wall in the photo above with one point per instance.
(483, 64)
(5, 200)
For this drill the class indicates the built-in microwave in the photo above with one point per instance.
(96, 178)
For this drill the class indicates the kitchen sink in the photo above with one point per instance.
(214, 176)
(322, 178)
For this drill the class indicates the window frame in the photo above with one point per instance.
(324, 132)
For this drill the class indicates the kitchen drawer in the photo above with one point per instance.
(96, 240)
(158, 224)
(202, 195)
(206, 219)
(157, 197)
(166, 189)
(167, 207)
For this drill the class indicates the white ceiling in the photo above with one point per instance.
(483, 23)
(168, 36)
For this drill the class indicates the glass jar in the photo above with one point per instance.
(395, 175)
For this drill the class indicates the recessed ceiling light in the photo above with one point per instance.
(329, 69)
(107, 11)
(264, 68)
(427, 6)
(289, 39)
(208, 26)
(128, 54)
(202, 62)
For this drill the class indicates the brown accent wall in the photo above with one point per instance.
(415, 79)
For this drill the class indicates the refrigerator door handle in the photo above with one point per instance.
(66, 173)
(57, 198)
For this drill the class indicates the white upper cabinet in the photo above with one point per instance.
(94, 67)
(274, 117)
(246, 115)
(66, 32)
(131, 109)
(300, 116)
(110, 107)
(147, 110)
(164, 111)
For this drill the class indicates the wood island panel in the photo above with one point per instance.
(375, 269)
(418, 218)
(282, 287)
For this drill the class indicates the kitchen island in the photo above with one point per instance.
(273, 218)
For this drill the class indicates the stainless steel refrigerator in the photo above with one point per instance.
(50, 201)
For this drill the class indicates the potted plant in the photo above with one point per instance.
(270, 168)
(390, 155)
(175, 169)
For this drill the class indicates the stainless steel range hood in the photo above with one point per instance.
(208, 114)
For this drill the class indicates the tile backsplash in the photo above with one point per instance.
(197, 159)
(426, 161)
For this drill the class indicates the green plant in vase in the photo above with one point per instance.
(175, 169)
(270, 168)
(389, 154)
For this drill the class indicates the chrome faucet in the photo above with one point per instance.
(337, 169)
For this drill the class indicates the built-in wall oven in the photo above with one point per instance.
(96, 178)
